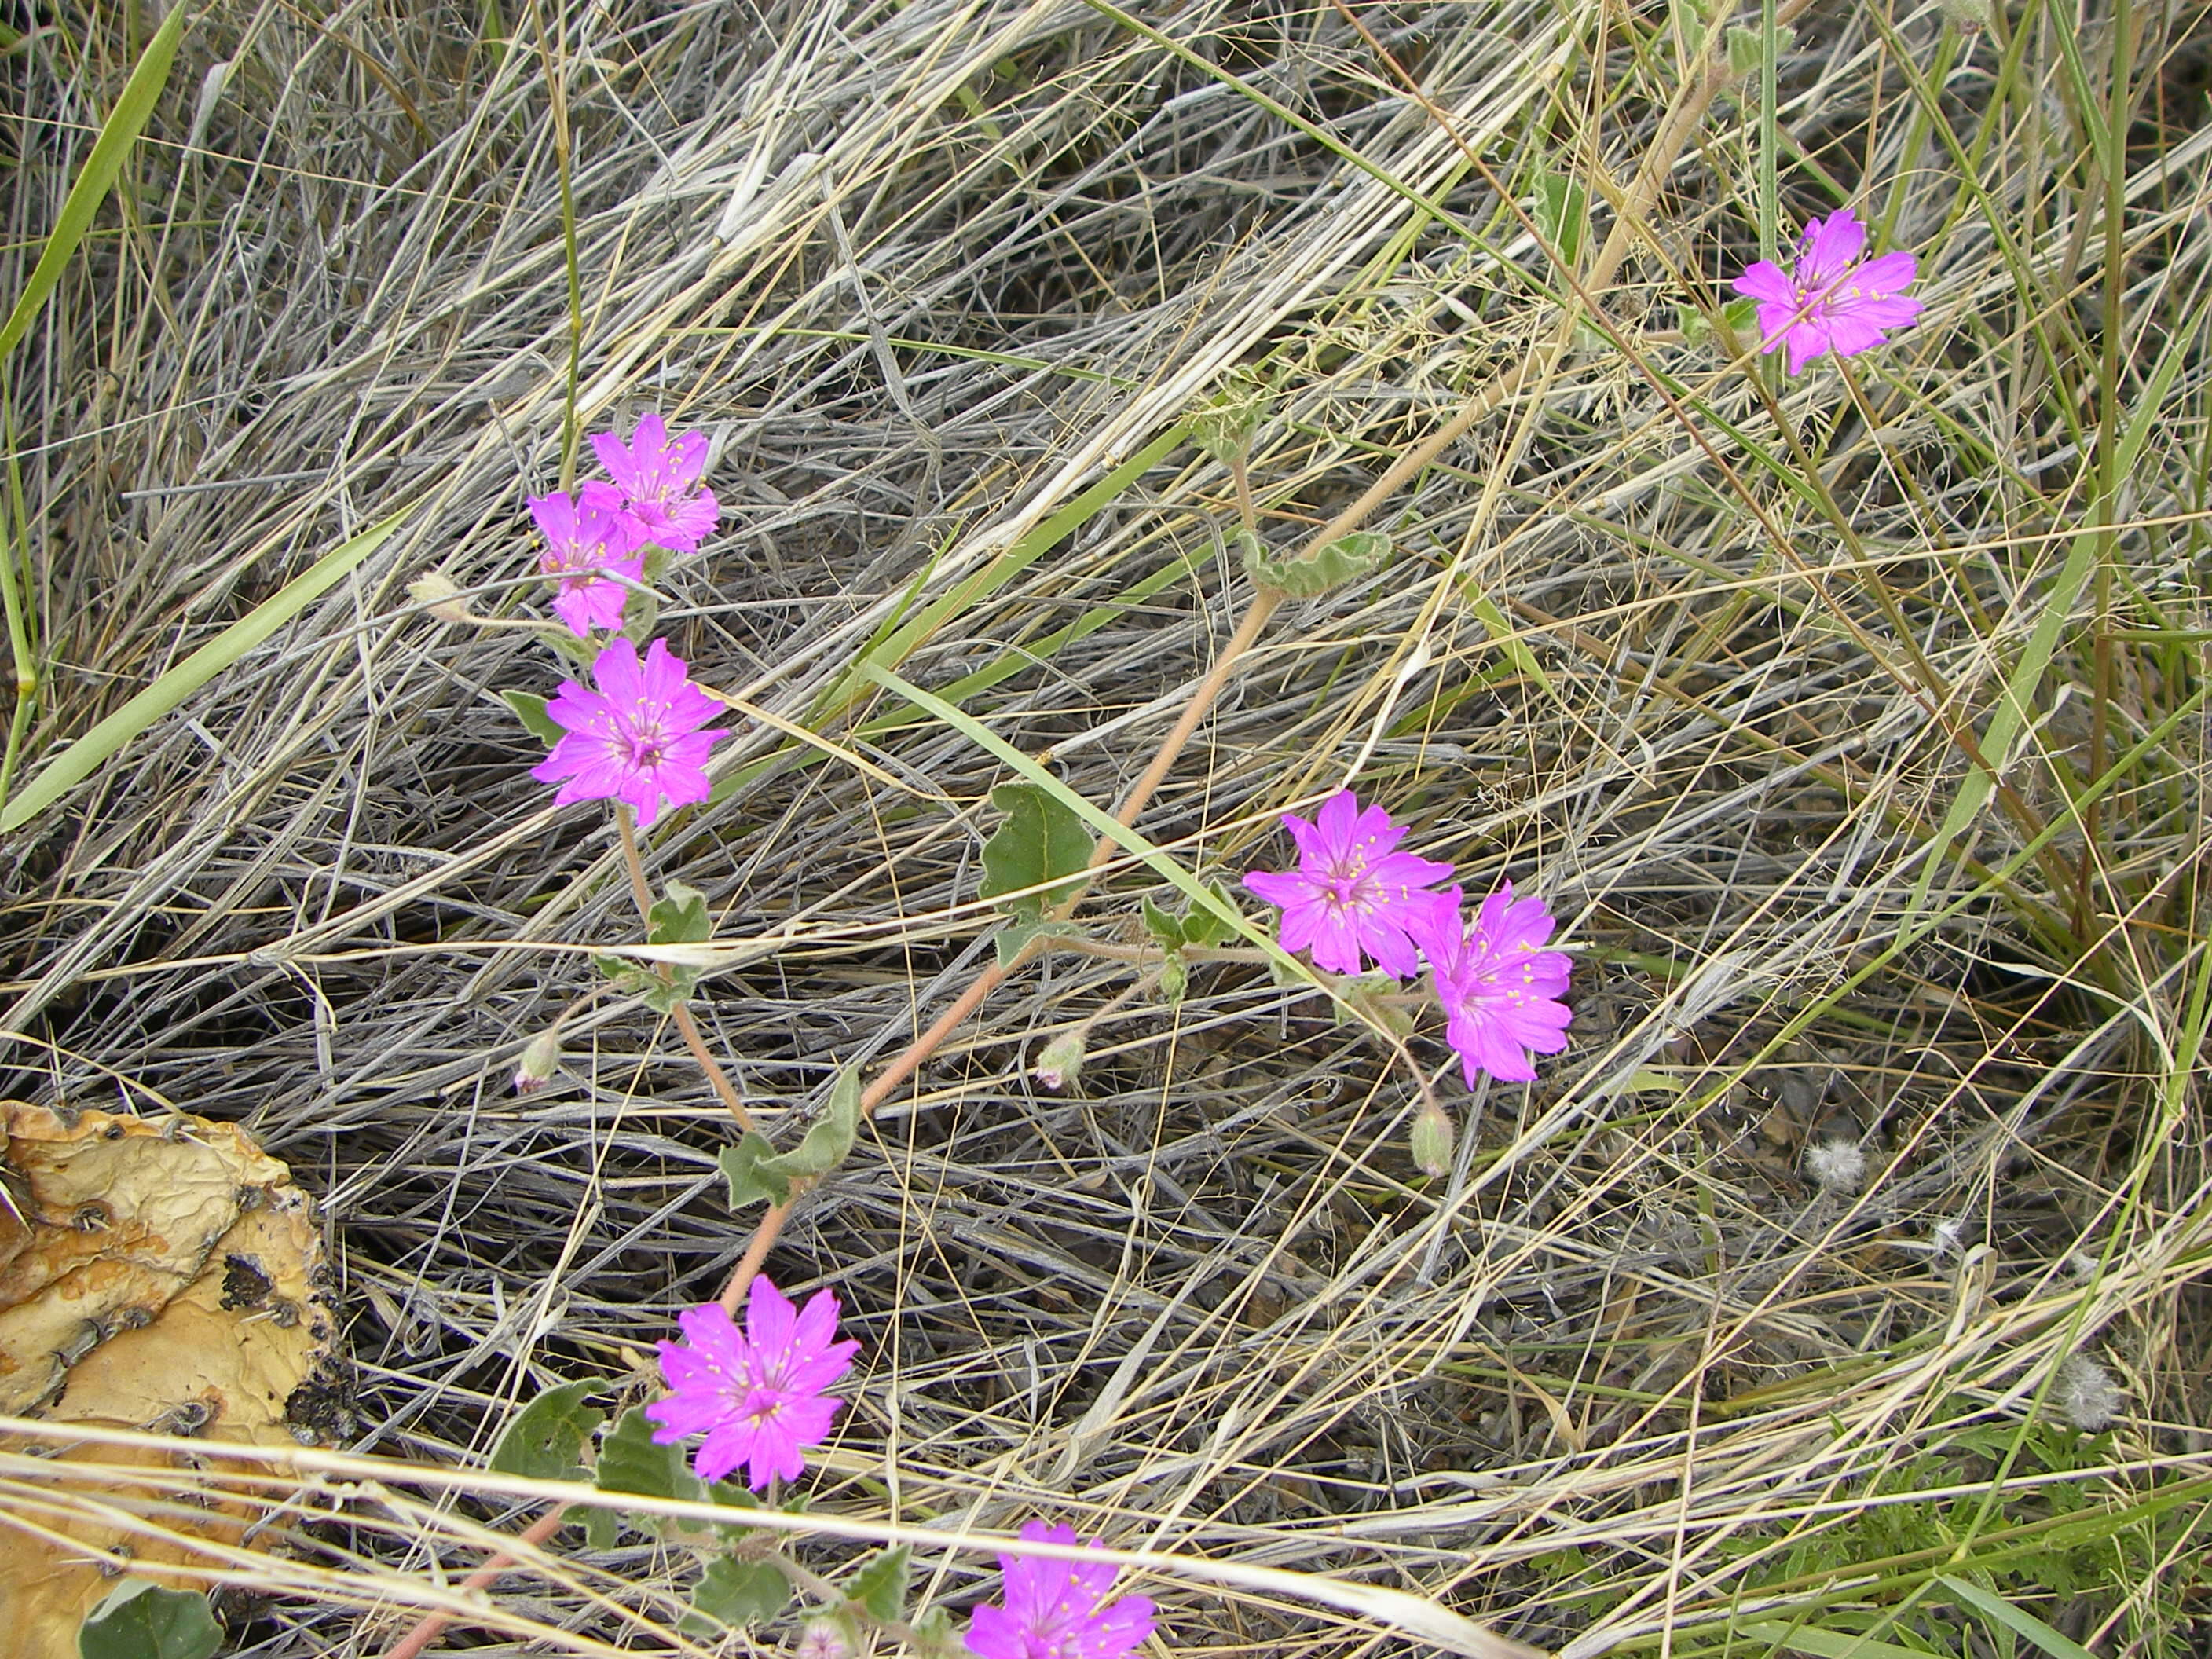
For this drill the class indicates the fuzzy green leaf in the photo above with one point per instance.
(1344, 560)
(880, 1587)
(1041, 842)
(139, 1620)
(744, 1167)
(736, 1593)
(681, 918)
(529, 709)
(756, 1172)
(1206, 929)
(545, 1441)
(1167, 930)
(629, 1461)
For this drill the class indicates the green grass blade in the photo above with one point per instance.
(81, 758)
(116, 135)
(1826, 1643)
(2018, 1619)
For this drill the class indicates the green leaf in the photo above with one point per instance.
(139, 1620)
(545, 1441)
(601, 1527)
(640, 615)
(1502, 632)
(1824, 1644)
(745, 1168)
(659, 994)
(529, 709)
(1015, 936)
(757, 1171)
(1175, 979)
(78, 761)
(1040, 843)
(681, 918)
(1224, 424)
(1746, 47)
(630, 1462)
(1562, 214)
(1166, 930)
(880, 1587)
(736, 1593)
(140, 92)
(2018, 1619)
(934, 1636)
(1205, 927)
(1344, 560)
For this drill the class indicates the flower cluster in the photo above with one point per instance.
(640, 737)
(755, 1394)
(1354, 898)
(596, 540)
(1833, 299)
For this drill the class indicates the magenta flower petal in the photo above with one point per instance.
(1833, 300)
(635, 739)
(755, 1395)
(1499, 985)
(658, 477)
(588, 539)
(1352, 897)
(1058, 1609)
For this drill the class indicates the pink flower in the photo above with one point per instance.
(1058, 1609)
(588, 539)
(755, 1394)
(1833, 301)
(1499, 986)
(658, 477)
(636, 739)
(1350, 894)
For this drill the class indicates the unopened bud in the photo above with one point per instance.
(540, 1059)
(1059, 1062)
(823, 1640)
(439, 591)
(1432, 1141)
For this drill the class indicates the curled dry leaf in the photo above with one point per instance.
(160, 1274)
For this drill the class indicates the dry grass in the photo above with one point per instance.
(927, 273)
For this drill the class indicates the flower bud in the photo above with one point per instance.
(540, 1059)
(1432, 1141)
(1059, 1062)
(440, 591)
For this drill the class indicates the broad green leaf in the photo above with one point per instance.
(681, 918)
(756, 1171)
(529, 709)
(1015, 936)
(1224, 424)
(736, 1593)
(745, 1170)
(140, 92)
(880, 1587)
(545, 1441)
(934, 1636)
(78, 761)
(139, 1620)
(629, 1461)
(1562, 216)
(1207, 927)
(1166, 930)
(660, 992)
(1746, 47)
(1344, 560)
(1040, 843)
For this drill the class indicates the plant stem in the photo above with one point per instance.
(642, 894)
(430, 1628)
